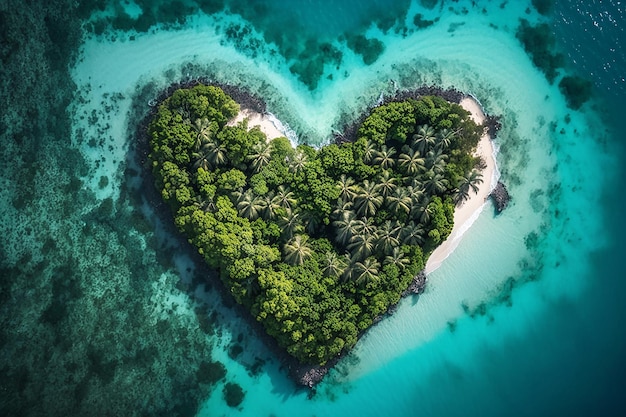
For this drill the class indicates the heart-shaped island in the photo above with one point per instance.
(316, 243)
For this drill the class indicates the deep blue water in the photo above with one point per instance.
(102, 312)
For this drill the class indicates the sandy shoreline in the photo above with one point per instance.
(263, 121)
(465, 215)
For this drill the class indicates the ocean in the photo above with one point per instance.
(105, 311)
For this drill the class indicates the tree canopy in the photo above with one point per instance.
(315, 243)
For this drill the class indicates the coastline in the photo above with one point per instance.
(466, 214)
(306, 375)
(257, 119)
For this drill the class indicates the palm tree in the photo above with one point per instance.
(412, 234)
(367, 271)
(362, 245)
(424, 210)
(260, 156)
(387, 237)
(370, 152)
(435, 183)
(311, 220)
(364, 226)
(411, 161)
(468, 182)
(350, 270)
(424, 139)
(436, 161)
(297, 250)
(209, 156)
(270, 205)
(284, 197)
(205, 205)
(415, 191)
(444, 138)
(384, 157)
(368, 200)
(400, 201)
(219, 155)
(386, 184)
(204, 130)
(397, 258)
(290, 224)
(346, 227)
(347, 187)
(334, 265)
(250, 205)
(342, 207)
(203, 158)
(297, 161)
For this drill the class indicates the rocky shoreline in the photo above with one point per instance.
(307, 376)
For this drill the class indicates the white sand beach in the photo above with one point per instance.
(466, 214)
(264, 122)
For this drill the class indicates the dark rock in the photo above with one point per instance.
(500, 197)
(416, 286)
(308, 376)
(493, 125)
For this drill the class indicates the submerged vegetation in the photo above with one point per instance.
(539, 43)
(315, 243)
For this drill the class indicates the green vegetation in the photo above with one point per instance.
(315, 243)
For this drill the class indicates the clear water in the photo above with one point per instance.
(524, 318)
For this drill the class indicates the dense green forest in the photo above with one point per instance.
(315, 243)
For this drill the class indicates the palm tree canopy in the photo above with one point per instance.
(347, 188)
(250, 205)
(367, 271)
(362, 245)
(435, 183)
(297, 250)
(444, 138)
(334, 265)
(260, 156)
(400, 201)
(411, 162)
(424, 139)
(387, 237)
(469, 182)
(386, 183)
(284, 197)
(397, 258)
(412, 234)
(346, 227)
(384, 157)
(370, 152)
(297, 161)
(368, 200)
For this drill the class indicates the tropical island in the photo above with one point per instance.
(316, 244)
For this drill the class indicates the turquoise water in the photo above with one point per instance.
(102, 307)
